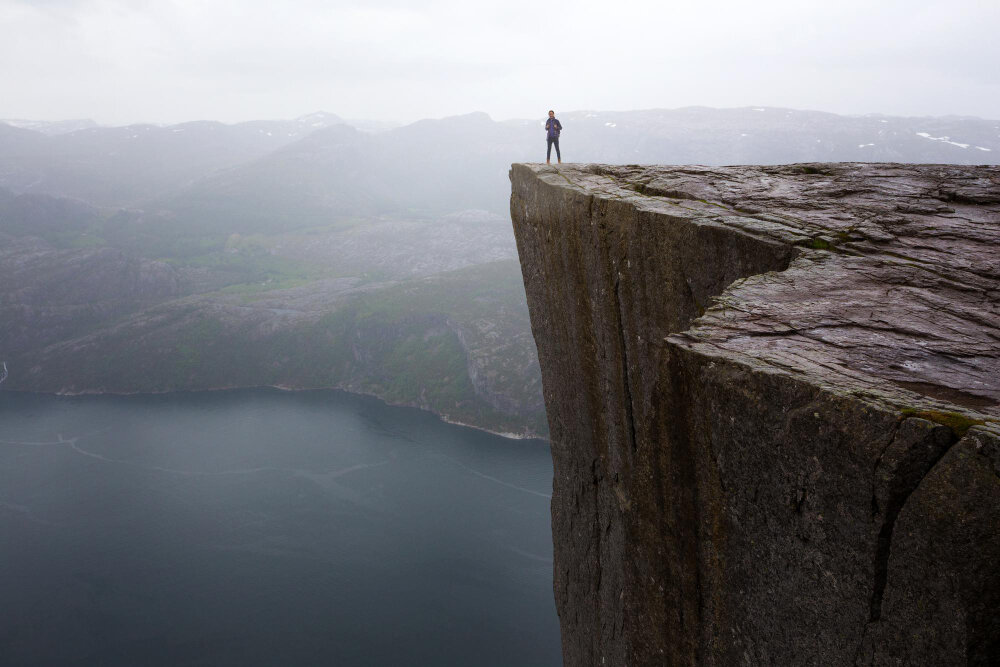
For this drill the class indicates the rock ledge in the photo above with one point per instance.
(774, 403)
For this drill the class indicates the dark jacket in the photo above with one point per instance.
(553, 127)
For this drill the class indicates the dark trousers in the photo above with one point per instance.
(553, 141)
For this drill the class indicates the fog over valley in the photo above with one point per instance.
(309, 253)
(270, 392)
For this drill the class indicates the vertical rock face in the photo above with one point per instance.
(773, 401)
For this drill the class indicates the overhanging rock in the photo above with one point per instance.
(774, 402)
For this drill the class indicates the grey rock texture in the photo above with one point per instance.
(774, 402)
(49, 294)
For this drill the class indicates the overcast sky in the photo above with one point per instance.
(122, 61)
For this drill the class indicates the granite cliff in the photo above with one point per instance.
(774, 403)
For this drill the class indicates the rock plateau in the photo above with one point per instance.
(774, 402)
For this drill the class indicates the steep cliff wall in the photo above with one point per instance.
(773, 402)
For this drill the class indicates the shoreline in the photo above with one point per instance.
(287, 388)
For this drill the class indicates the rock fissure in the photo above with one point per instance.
(878, 460)
(772, 385)
(919, 461)
(626, 382)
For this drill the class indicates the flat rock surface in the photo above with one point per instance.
(894, 291)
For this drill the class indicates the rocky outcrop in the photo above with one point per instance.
(49, 294)
(97, 321)
(428, 312)
(774, 403)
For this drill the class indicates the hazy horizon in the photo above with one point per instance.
(540, 117)
(120, 62)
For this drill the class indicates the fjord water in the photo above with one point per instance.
(258, 527)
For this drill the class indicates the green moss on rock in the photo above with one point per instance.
(957, 422)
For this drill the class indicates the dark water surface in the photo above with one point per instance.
(266, 528)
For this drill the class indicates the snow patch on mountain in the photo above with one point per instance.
(946, 140)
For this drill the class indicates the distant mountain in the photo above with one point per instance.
(338, 174)
(420, 312)
(462, 159)
(308, 253)
(327, 177)
(125, 166)
(434, 166)
(769, 135)
(58, 220)
(450, 163)
(51, 294)
(51, 127)
(371, 125)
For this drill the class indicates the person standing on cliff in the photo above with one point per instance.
(552, 129)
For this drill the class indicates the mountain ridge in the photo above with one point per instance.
(231, 218)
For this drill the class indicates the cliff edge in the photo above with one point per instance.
(774, 403)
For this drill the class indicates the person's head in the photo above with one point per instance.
(552, 114)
